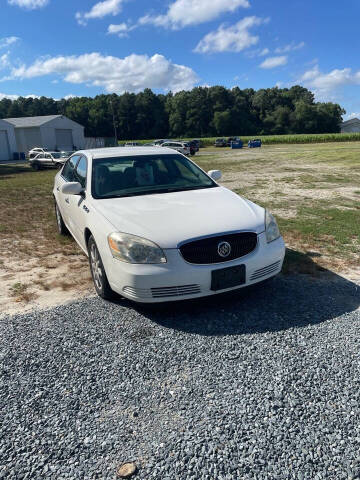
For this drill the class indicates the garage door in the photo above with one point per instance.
(4, 146)
(64, 139)
(32, 138)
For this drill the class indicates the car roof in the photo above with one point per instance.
(125, 152)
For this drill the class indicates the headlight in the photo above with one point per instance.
(133, 249)
(271, 227)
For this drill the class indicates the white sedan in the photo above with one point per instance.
(157, 228)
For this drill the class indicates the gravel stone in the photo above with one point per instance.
(262, 384)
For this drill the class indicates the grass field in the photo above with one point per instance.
(313, 190)
(282, 139)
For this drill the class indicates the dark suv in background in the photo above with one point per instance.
(220, 142)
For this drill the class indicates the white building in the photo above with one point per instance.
(7, 140)
(54, 132)
(351, 126)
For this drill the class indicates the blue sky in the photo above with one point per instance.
(59, 48)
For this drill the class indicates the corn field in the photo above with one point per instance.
(285, 139)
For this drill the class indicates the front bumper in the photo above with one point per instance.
(177, 279)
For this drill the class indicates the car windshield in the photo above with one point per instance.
(64, 154)
(145, 175)
(56, 155)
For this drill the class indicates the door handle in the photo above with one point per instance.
(67, 200)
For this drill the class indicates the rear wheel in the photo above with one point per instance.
(60, 222)
(98, 274)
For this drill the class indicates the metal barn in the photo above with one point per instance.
(54, 132)
(7, 141)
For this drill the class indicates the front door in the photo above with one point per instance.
(77, 206)
(67, 175)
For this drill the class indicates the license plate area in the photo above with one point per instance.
(228, 277)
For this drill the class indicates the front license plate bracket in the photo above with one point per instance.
(228, 277)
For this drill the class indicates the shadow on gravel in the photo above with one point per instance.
(304, 295)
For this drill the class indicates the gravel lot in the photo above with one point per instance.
(263, 384)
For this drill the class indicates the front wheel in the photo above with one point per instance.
(35, 166)
(98, 274)
(60, 222)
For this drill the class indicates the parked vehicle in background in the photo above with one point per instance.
(158, 228)
(181, 147)
(232, 139)
(191, 148)
(132, 144)
(256, 143)
(48, 159)
(220, 142)
(195, 144)
(160, 141)
(35, 151)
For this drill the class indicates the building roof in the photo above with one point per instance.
(351, 121)
(31, 121)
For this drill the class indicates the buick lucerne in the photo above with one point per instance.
(158, 228)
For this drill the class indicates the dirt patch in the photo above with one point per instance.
(32, 283)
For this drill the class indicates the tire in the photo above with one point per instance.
(97, 270)
(35, 166)
(60, 222)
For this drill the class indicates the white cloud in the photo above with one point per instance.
(100, 10)
(29, 4)
(182, 13)
(15, 97)
(273, 62)
(4, 61)
(264, 51)
(230, 39)
(328, 81)
(258, 52)
(121, 30)
(132, 73)
(325, 85)
(70, 96)
(349, 116)
(7, 41)
(291, 47)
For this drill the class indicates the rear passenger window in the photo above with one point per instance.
(68, 172)
(80, 172)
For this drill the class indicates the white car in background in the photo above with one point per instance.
(157, 228)
(49, 159)
(35, 151)
(181, 147)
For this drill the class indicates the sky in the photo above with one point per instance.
(62, 48)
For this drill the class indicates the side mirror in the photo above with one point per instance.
(215, 174)
(72, 188)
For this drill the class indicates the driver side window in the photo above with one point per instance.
(80, 172)
(68, 172)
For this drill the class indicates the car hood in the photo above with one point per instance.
(171, 218)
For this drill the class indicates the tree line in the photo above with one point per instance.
(200, 112)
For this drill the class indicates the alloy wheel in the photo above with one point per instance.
(95, 263)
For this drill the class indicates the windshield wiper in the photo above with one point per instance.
(160, 190)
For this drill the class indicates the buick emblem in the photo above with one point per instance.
(224, 249)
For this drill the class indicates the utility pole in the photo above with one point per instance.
(113, 116)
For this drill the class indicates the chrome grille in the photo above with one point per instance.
(205, 250)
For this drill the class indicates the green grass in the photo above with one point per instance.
(312, 190)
